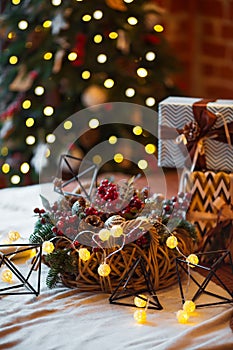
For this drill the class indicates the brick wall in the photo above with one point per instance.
(201, 34)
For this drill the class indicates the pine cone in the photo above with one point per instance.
(94, 220)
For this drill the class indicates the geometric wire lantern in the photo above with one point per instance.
(24, 278)
(211, 273)
(122, 291)
(79, 170)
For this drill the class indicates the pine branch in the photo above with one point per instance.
(42, 232)
(52, 278)
(60, 262)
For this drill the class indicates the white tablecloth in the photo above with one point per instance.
(62, 318)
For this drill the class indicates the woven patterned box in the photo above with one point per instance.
(205, 127)
(212, 199)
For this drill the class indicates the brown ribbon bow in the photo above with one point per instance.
(199, 129)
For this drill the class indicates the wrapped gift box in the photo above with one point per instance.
(212, 201)
(191, 127)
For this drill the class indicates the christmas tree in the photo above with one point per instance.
(60, 56)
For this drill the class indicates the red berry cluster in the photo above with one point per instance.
(134, 206)
(177, 204)
(66, 223)
(107, 191)
(91, 211)
(40, 212)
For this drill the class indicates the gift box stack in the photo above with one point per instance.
(197, 135)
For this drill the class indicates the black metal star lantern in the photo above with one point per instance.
(123, 291)
(80, 177)
(20, 268)
(211, 273)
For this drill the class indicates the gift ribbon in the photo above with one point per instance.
(223, 218)
(194, 133)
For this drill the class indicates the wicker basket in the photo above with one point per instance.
(159, 261)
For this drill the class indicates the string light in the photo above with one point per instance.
(30, 122)
(47, 24)
(98, 38)
(15, 179)
(86, 74)
(104, 234)
(150, 101)
(6, 168)
(109, 83)
(104, 270)
(130, 92)
(24, 168)
(140, 301)
(102, 58)
(26, 104)
(4, 151)
(158, 28)
(47, 153)
(189, 306)
(84, 254)
(182, 316)
(15, 2)
(112, 140)
(172, 242)
(116, 231)
(113, 35)
(150, 56)
(118, 158)
(56, 2)
(86, 18)
(72, 56)
(13, 236)
(94, 123)
(48, 247)
(11, 35)
(13, 60)
(48, 111)
(97, 159)
(137, 130)
(50, 138)
(22, 25)
(142, 72)
(193, 259)
(132, 21)
(67, 125)
(142, 164)
(30, 140)
(140, 316)
(39, 90)
(98, 14)
(47, 56)
(7, 276)
(150, 148)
